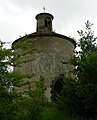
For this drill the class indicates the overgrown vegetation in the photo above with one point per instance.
(79, 95)
(13, 105)
(77, 100)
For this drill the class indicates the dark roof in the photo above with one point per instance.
(40, 14)
(41, 34)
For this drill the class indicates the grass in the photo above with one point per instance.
(52, 112)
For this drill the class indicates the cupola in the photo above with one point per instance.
(44, 22)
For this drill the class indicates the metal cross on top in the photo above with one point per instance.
(44, 8)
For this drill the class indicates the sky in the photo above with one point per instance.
(17, 17)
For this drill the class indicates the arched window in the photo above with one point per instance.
(47, 22)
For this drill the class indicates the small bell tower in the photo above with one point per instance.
(44, 22)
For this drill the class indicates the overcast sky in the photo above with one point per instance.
(17, 17)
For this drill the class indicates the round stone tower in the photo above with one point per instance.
(45, 53)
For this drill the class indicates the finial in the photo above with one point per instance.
(44, 9)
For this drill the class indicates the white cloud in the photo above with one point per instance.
(17, 17)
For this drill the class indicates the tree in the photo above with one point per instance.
(87, 41)
(87, 70)
(13, 105)
(6, 86)
(30, 106)
(79, 95)
(87, 44)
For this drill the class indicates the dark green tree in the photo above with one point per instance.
(6, 86)
(79, 95)
(87, 41)
(14, 105)
(87, 44)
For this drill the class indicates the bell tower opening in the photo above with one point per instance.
(46, 25)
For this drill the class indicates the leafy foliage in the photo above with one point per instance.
(79, 95)
(85, 59)
(79, 99)
(87, 70)
(30, 106)
(13, 105)
(87, 40)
